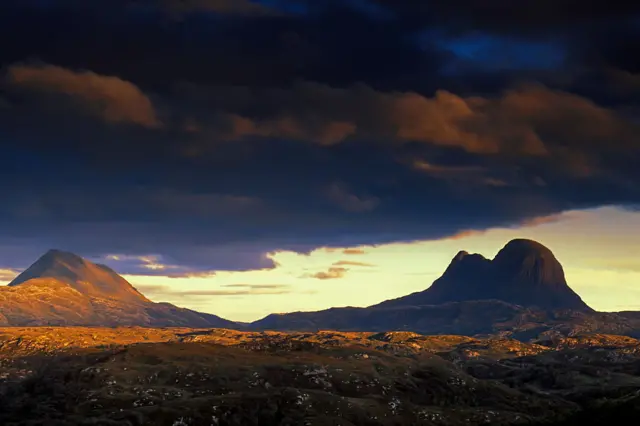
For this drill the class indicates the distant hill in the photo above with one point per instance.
(62, 288)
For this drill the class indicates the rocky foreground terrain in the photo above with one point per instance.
(140, 376)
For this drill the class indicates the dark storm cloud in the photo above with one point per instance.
(506, 16)
(142, 44)
(150, 265)
(229, 7)
(229, 204)
(210, 133)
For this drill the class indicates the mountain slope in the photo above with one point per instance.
(524, 273)
(61, 288)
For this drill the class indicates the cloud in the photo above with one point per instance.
(351, 202)
(542, 220)
(352, 263)
(228, 7)
(528, 19)
(327, 115)
(353, 251)
(445, 170)
(8, 274)
(290, 40)
(262, 46)
(151, 265)
(624, 81)
(532, 222)
(204, 204)
(148, 143)
(110, 98)
(166, 291)
(331, 274)
(526, 121)
(465, 234)
(226, 209)
(256, 286)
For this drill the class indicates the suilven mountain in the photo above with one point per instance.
(523, 273)
(521, 293)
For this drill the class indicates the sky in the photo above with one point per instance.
(224, 154)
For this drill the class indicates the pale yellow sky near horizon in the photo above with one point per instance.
(599, 249)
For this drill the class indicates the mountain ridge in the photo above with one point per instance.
(474, 296)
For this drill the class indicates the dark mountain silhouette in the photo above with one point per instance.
(62, 288)
(524, 273)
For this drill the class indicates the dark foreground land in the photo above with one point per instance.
(175, 377)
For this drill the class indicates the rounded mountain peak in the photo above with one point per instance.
(530, 272)
(523, 246)
(529, 261)
(520, 254)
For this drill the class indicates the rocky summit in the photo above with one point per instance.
(524, 273)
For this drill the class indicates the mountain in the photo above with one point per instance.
(521, 293)
(62, 288)
(86, 277)
(524, 273)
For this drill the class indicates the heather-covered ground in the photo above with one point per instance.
(138, 376)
